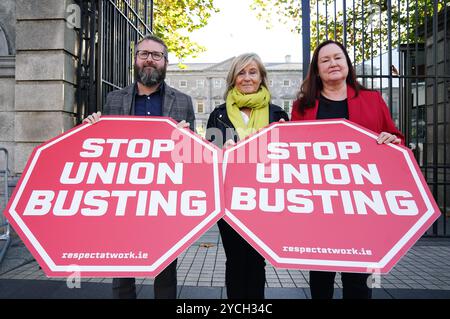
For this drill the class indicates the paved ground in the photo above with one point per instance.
(423, 273)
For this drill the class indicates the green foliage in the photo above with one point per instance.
(175, 19)
(370, 26)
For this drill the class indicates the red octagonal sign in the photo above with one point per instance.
(323, 195)
(121, 197)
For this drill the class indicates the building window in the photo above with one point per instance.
(270, 83)
(287, 106)
(183, 84)
(200, 84)
(217, 83)
(200, 106)
(286, 83)
(217, 103)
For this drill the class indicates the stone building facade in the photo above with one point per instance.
(206, 84)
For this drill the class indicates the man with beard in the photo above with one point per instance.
(149, 95)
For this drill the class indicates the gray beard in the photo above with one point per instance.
(152, 78)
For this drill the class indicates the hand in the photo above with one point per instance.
(183, 124)
(282, 120)
(229, 143)
(386, 138)
(93, 118)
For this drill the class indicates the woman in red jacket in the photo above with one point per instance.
(331, 90)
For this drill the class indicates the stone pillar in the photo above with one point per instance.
(46, 48)
(7, 81)
(7, 70)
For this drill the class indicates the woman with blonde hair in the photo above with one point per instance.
(247, 109)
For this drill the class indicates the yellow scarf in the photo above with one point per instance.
(258, 102)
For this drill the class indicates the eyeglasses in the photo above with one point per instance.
(143, 55)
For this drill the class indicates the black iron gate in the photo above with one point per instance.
(402, 48)
(87, 48)
(122, 24)
(108, 32)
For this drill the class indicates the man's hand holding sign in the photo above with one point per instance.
(117, 202)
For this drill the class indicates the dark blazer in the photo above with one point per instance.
(367, 109)
(219, 124)
(176, 104)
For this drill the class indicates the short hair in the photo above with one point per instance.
(240, 63)
(151, 37)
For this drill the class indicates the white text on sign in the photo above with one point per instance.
(315, 187)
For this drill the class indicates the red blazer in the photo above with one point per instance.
(368, 109)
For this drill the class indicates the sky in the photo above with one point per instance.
(235, 30)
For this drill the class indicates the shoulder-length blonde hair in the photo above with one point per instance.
(240, 63)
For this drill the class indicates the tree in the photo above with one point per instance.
(175, 19)
(371, 26)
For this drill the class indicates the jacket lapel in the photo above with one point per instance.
(128, 100)
(169, 98)
(271, 114)
(354, 109)
(313, 112)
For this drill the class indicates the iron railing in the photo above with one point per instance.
(402, 48)
(122, 24)
(108, 33)
(5, 235)
(86, 94)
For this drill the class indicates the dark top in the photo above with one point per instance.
(150, 105)
(329, 109)
(220, 128)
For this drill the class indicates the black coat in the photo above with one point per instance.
(220, 129)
